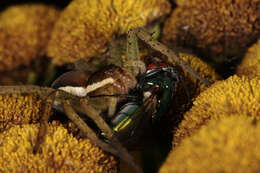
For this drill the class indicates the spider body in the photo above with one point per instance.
(112, 79)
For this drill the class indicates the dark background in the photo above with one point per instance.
(57, 3)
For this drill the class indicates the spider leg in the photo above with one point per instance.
(112, 106)
(133, 63)
(75, 118)
(189, 99)
(44, 121)
(171, 55)
(26, 89)
(122, 152)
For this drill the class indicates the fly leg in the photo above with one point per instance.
(122, 152)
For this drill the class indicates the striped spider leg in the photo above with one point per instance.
(171, 55)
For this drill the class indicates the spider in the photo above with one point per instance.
(144, 94)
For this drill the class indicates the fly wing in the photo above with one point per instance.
(134, 125)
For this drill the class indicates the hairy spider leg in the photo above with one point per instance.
(75, 118)
(132, 49)
(42, 92)
(171, 55)
(133, 63)
(52, 96)
(121, 151)
(112, 106)
(47, 107)
(186, 90)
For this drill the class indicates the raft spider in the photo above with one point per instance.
(72, 99)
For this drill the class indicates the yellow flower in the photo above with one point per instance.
(250, 66)
(25, 31)
(231, 144)
(214, 27)
(19, 109)
(86, 26)
(60, 152)
(234, 95)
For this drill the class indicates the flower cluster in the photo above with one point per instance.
(25, 31)
(226, 145)
(214, 27)
(19, 109)
(250, 66)
(220, 131)
(236, 95)
(60, 152)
